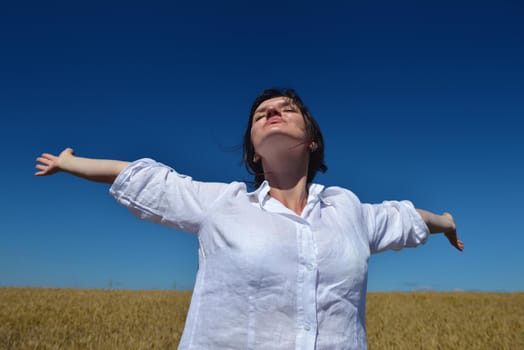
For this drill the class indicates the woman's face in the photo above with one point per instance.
(277, 125)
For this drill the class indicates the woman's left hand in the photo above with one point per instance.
(451, 234)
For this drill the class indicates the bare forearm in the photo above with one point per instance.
(437, 223)
(99, 170)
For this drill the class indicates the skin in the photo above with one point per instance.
(282, 145)
(98, 170)
(279, 137)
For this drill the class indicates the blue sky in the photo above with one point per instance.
(416, 100)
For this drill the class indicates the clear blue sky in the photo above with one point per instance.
(416, 100)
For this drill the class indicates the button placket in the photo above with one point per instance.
(309, 273)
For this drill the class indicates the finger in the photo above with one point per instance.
(43, 160)
(43, 170)
(459, 245)
(49, 156)
(454, 241)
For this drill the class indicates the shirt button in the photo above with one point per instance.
(307, 327)
(309, 267)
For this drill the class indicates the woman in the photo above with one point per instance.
(285, 266)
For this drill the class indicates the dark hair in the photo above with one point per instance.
(316, 158)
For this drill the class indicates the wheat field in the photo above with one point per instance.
(37, 318)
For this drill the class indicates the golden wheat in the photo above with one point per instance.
(459, 320)
(34, 318)
(91, 319)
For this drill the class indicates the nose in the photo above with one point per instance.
(272, 111)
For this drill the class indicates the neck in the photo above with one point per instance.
(287, 178)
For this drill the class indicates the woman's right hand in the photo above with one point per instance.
(49, 164)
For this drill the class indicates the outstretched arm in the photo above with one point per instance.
(442, 224)
(99, 170)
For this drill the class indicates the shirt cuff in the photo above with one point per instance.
(118, 186)
(420, 227)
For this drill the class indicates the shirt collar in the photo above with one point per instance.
(261, 193)
(315, 193)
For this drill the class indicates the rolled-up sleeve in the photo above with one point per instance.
(394, 225)
(155, 192)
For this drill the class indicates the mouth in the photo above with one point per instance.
(274, 119)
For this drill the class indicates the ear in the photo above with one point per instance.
(313, 146)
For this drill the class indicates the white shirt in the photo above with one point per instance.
(268, 278)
